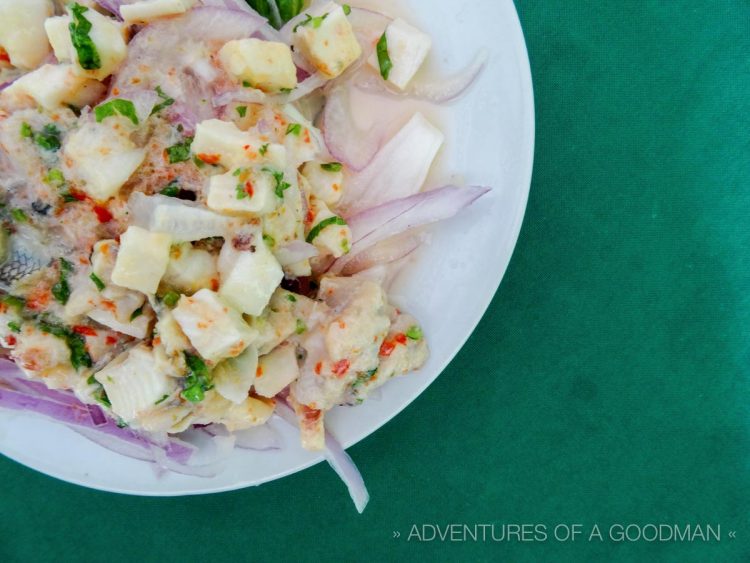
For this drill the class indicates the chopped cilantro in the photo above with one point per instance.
(137, 313)
(197, 379)
(414, 333)
(314, 22)
(347, 9)
(76, 343)
(317, 229)
(126, 108)
(281, 184)
(14, 326)
(290, 297)
(171, 299)
(294, 129)
(301, 327)
(19, 215)
(269, 240)
(242, 192)
(277, 12)
(80, 27)
(55, 177)
(26, 131)
(166, 101)
(16, 302)
(171, 190)
(332, 167)
(263, 150)
(180, 152)
(49, 138)
(160, 401)
(384, 59)
(241, 110)
(97, 281)
(61, 290)
(246, 84)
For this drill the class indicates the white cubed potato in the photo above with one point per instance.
(190, 269)
(407, 48)
(145, 11)
(53, 86)
(169, 333)
(215, 329)
(224, 143)
(265, 65)
(109, 40)
(249, 272)
(22, 31)
(251, 412)
(183, 220)
(329, 236)
(326, 180)
(135, 380)
(101, 158)
(329, 43)
(246, 190)
(58, 34)
(276, 370)
(233, 378)
(142, 260)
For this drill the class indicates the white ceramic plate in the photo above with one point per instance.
(489, 141)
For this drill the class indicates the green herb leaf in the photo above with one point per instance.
(269, 240)
(97, 281)
(165, 103)
(263, 150)
(126, 108)
(48, 138)
(61, 290)
(242, 192)
(241, 110)
(14, 327)
(314, 22)
(26, 131)
(171, 299)
(347, 9)
(286, 10)
(246, 84)
(332, 167)
(171, 190)
(160, 401)
(180, 152)
(197, 379)
(55, 177)
(281, 185)
(80, 27)
(384, 59)
(415, 333)
(16, 303)
(294, 129)
(19, 215)
(76, 343)
(137, 313)
(301, 327)
(290, 297)
(317, 229)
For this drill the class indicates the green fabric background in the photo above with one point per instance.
(607, 383)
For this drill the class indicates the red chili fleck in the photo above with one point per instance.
(111, 340)
(341, 367)
(386, 349)
(318, 367)
(4, 56)
(103, 214)
(310, 217)
(259, 371)
(210, 158)
(307, 136)
(78, 195)
(249, 190)
(11, 340)
(214, 284)
(400, 338)
(84, 330)
(310, 415)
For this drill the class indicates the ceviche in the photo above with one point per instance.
(196, 235)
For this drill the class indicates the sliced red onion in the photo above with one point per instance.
(440, 90)
(258, 438)
(337, 458)
(346, 142)
(295, 252)
(383, 253)
(368, 26)
(112, 6)
(398, 216)
(97, 415)
(400, 167)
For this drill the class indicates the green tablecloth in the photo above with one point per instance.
(608, 383)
